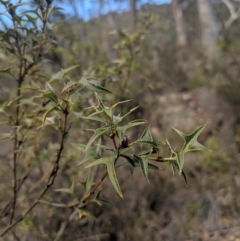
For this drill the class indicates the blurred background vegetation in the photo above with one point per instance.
(180, 61)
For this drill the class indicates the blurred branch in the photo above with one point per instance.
(85, 197)
(64, 130)
(234, 15)
(64, 225)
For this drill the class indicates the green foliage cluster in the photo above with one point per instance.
(38, 102)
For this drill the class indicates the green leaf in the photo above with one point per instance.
(97, 112)
(155, 141)
(97, 88)
(146, 133)
(130, 159)
(175, 167)
(190, 140)
(133, 109)
(99, 200)
(146, 138)
(180, 160)
(103, 109)
(153, 167)
(84, 213)
(121, 151)
(97, 133)
(143, 162)
(66, 190)
(117, 119)
(123, 129)
(105, 148)
(61, 74)
(185, 178)
(31, 19)
(49, 95)
(87, 183)
(70, 84)
(6, 136)
(147, 141)
(48, 112)
(73, 97)
(175, 156)
(93, 86)
(91, 153)
(110, 163)
(52, 94)
(80, 147)
(108, 112)
(118, 103)
(94, 118)
(100, 102)
(130, 163)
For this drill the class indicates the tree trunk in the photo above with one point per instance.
(133, 13)
(180, 25)
(209, 27)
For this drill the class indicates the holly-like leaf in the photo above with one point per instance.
(67, 190)
(87, 183)
(176, 156)
(180, 160)
(130, 159)
(91, 153)
(147, 141)
(101, 106)
(97, 88)
(110, 164)
(175, 167)
(133, 109)
(123, 129)
(146, 138)
(190, 140)
(185, 178)
(118, 103)
(99, 200)
(146, 133)
(121, 151)
(117, 119)
(94, 118)
(129, 165)
(80, 147)
(153, 167)
(61, 74)
(48, 112)
(143, 162)
(91, 85)
(70, 84)
(97, 133)
(84, 213)
(51, 94)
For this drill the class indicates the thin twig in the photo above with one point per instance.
(234, 15)
(51, 178)
(95, 187)
(17, 144)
